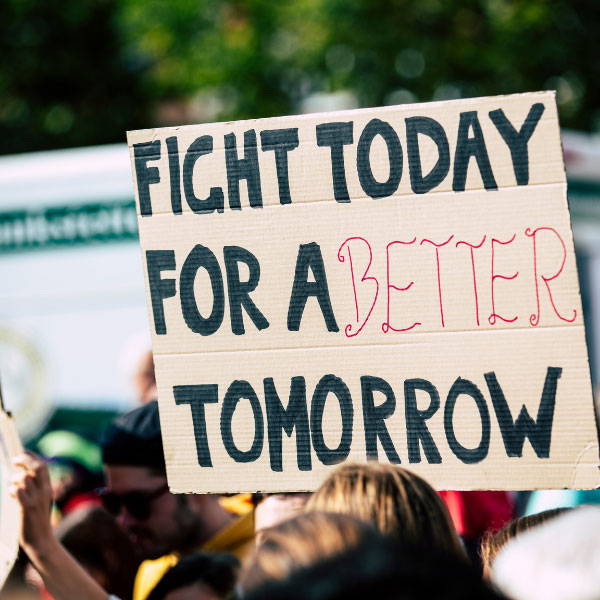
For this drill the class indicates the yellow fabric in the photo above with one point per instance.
(237, 539)
(238, 504)
(150, 572)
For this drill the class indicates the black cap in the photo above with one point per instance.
(134, 439)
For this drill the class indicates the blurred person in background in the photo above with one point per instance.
(163, 526)
(144, 379)
(396, 501)
(493, 543)
(301, 542)
(94, 538)
(97, 542)
(63, 577)
(75, 466)
(201, 576)
(557, 560)
(475, 513)
(320, 556)
(100, 560)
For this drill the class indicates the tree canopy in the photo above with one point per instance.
(85, 71)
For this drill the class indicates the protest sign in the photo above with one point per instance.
(394, 284)
(10, 512)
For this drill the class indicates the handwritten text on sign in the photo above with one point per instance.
(394, 284)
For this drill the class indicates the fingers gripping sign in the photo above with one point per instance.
(31, 487)
(64, 578)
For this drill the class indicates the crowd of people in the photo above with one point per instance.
(370, 531)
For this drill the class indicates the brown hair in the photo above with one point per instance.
(301, 542)
(105, 551)
(396, 501)
(492, 543)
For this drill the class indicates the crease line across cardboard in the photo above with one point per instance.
(407, 341)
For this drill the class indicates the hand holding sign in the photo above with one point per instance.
(64, 577)
(31, 487)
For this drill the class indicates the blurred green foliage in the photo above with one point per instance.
(65, 78)
(81, 72)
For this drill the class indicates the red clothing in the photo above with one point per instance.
(82, 500)
(474, 513)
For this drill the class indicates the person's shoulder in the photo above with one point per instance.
(150, 572)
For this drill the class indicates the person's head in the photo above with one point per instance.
(201, 576)
(396, 501)
(137, 492)
(381, 568)
(492, 543)
(557, 560)
(101, 546)
(302, 541)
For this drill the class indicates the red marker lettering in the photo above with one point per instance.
(534, 319)
(471, 248)
(439, 278)
(349, 329)
(492, 318)
(386, 326)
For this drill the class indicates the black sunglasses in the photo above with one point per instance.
(137, 504)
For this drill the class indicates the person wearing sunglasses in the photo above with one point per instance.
(163, 526)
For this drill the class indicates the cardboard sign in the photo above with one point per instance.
(393, 284)
(10, 512)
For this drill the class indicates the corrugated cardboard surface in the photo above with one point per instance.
(449, 290)
(10, 512)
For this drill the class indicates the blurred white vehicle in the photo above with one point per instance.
(72, 309)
